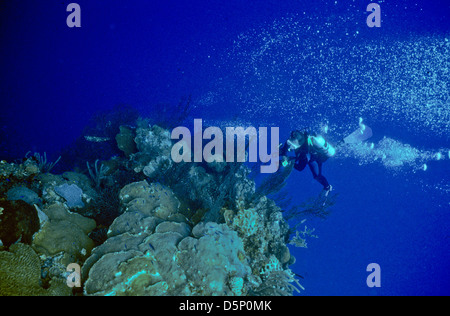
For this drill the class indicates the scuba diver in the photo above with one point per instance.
(309, 150)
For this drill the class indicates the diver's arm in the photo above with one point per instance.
(284, 149)
(283, 154)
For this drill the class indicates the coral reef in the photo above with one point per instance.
(154, 146)
(35, 214)
(247, 222)
(154, 236)
(140, 224)
(165, 258)
(18, 171)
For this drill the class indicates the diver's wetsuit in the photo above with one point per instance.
(301, 160)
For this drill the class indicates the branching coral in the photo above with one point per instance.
(97, 173)
(299, 240)
(44, 165)
(313, 207)
(277, 281)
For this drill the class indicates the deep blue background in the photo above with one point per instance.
(54, 78)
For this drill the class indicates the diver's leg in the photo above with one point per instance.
(316, 170)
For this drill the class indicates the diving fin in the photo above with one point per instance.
(363, 133)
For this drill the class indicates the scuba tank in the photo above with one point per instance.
(321, 147)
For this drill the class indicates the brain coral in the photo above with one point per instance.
(20, 274)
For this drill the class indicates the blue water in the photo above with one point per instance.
(290, 64)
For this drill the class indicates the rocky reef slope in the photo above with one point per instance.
(140, 224)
